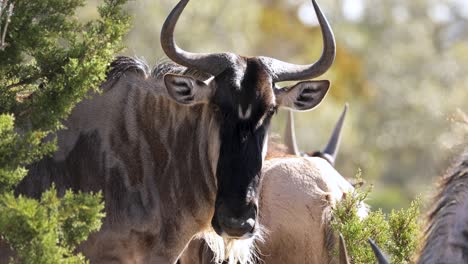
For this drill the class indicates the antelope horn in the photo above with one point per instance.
(344, 259)
(290, 135)
(212, 63)
(381, 259)
(333, 145)
(283, 71)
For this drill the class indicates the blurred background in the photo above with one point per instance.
(402, 66)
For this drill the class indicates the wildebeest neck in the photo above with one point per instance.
(446, 239)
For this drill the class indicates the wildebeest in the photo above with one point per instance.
(296, 196)
(446, 234)
(177, 151)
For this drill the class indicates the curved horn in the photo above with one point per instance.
(381, 259)
(213, 63)
(290, 135)
(283, 71)
(333, 145)
(344, 259)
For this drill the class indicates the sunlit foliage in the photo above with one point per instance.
(396, 233)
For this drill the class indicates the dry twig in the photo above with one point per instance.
(9, 13)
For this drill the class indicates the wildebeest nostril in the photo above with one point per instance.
(231, 221)
(249, 224)
(238, 227)
(244, 224)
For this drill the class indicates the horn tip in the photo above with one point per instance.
(341, 238)
(316, 6)
(372, 243)
(345, 108)
(381, 258)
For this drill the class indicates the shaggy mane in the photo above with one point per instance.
(123, 64)
(447, 225)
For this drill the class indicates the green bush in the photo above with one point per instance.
(49, 63)
(48, 231)
(396, 234)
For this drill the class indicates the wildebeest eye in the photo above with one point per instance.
(272, 110)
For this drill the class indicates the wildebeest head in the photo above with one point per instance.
(243, 92)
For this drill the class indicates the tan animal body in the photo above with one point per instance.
(297, 197)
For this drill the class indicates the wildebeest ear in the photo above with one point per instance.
(187, 90)
(302, 96)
